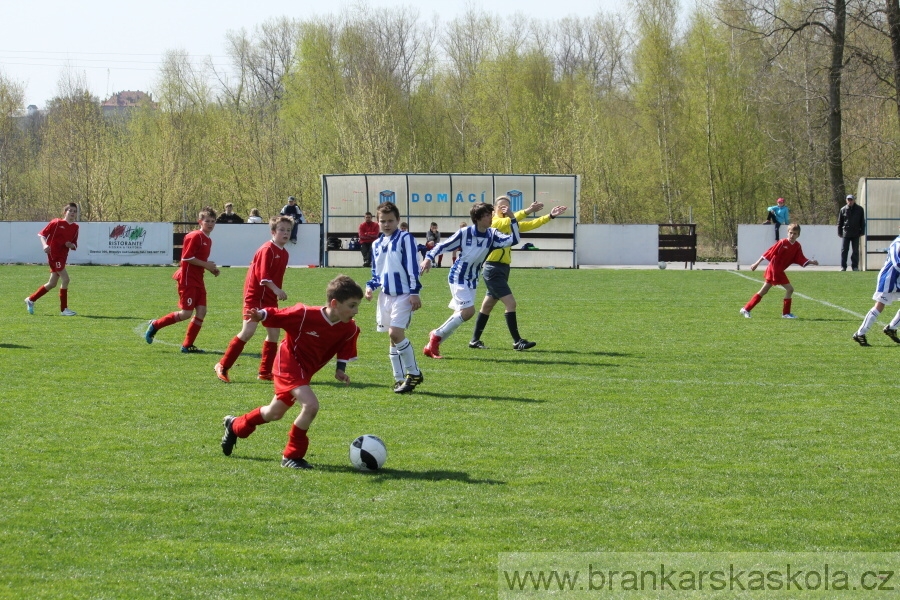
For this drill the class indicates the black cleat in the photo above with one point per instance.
(229, 439)
(860, 339)
(891, 333)
(409, 384)
(295, 463)
(192, 349)
(524, 344)
(477, 345)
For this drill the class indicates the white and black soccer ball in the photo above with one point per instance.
(662, 264)
(368, 453)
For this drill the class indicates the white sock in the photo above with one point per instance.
(895, 321)
(449, 326)
(407, 357)
(396, 365)
(870, 319)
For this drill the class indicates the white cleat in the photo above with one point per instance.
(789, 316)
(746, 313)
(29, 306)
(68, 313)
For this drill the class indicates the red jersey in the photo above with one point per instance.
(57, 233)
(369, 232)
(196, 245)
(311, 340)
(269, 264)
(781, 255)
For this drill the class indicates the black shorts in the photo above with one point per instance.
(496, 279)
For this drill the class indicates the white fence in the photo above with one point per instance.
(234, 245)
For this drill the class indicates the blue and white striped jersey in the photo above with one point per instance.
(889, 277)
(474, 248)
(394, 264)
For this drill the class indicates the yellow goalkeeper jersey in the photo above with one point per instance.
(503, 225)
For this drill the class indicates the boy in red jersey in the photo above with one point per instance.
(781, 255)
(191, 289)
(57, 238)
(262, 287)
(315, 334)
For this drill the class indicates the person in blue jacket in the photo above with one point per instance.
(778, 215)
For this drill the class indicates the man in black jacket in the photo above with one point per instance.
(851, 225)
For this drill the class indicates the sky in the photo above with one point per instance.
(119, 46)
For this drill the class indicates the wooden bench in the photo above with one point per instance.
(678, 243)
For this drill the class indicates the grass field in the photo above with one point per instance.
(650, 417)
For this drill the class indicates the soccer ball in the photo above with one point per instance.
(368, 453)
(662, 264)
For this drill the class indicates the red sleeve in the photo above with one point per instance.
(189, 250)
(348, 350)
(285, 318)
(773, 249)
(799, 258)
(75, 235)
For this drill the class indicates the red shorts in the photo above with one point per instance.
(191, 297)
(56, 263)
(776, 277)
(288, 375)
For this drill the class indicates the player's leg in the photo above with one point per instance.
(51, 283)
(755, 299)
(298, 441)
(193, 328)
(246, 424)
(413, 376)
(890, 329)
(463, 303)
(234, 349)
(786, 303)
(64, 293)
(269, 351)
(869, 320)
(187, 300)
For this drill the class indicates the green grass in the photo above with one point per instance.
(650, 417)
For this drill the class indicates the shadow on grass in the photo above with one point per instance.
(15, 347)
(108, 317)
(383, 474)
(457, 396)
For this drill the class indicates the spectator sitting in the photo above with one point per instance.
(293, 211)
(254, 216)
(229, 216)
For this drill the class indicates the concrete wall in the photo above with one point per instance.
(819, 242)
(617, 245)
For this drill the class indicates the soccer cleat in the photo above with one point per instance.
(524, 344)
(29, 305)
(192, 349)
(151, 331)
(295, 463)
(265, 377)
(229, 439)
(860, 339)
(409, 384)
(221, 373)
(432, 350)
(891, 333)
(68, 312)
(477, 345)
(789, 316)
(397, 384)
(746, 313)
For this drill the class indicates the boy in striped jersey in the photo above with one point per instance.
(396, 272)
(887, 291)
(474, 242)
(57, 238)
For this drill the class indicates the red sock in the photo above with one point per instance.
(169, 319)
(193, 331)
(40, 292)
(753, 302)
(63, 299)
(269, 350)
(786, 308)
(235, 347)
(244, 425)
(297, 443)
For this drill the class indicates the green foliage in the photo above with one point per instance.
(650, 417)
(664, 118)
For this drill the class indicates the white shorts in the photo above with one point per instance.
(463, 296)
(886, 298)
(392, 311)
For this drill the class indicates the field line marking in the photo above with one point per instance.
(805, 297)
